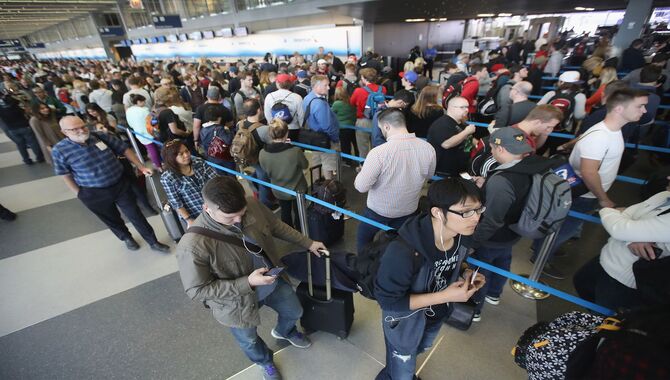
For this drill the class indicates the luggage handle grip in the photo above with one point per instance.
(326, 254)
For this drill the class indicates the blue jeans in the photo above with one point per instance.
(571, 226)
(264, 192)
(284, 301)
(498, 257)
(402, 365)
(24, 138)
(366, 233)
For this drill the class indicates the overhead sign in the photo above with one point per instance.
(37, 45)
(10, 43)
(112, 31)
(167, 21)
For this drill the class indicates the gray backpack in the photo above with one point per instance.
(547, 204)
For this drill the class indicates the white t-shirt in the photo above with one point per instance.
(601, 144)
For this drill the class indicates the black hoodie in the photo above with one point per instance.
(399, 275)
(506, 189)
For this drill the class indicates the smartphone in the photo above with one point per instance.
(465, 175)
(657, 252)
(274, 271)
(474, 275)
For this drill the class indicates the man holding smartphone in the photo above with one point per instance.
(224, 259)
(420, 274)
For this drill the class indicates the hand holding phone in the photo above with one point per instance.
(274, 271)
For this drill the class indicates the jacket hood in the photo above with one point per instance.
(533, 164)
(277, 147)
(418, 233)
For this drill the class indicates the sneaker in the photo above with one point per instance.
(492, 300)
(160, 247)
(297, 339)
(477, 317)
(270, 372)
(131, 244)
(553, 272)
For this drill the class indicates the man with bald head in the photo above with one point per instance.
(449, 135)
(90, 168)
(510, 114)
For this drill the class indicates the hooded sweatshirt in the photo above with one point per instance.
(401, 275)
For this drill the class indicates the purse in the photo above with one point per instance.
(461, 315)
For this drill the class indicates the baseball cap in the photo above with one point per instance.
(233, 69)
(301, 74)
(387, 69)
(213, 93)
(497, 67)
(569, 77)
(512, 139)
(321, 62)
(411, 76)
(283, 78)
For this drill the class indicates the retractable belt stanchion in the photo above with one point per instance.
(528, 291)
(338, 167)
(302, 215)
(136, 148)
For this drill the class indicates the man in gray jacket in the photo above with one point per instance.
(223, 259)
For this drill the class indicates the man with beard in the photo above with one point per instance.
(449, 135)
(90, 168)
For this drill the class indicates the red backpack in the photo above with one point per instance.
(565, 101)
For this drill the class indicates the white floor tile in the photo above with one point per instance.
(8, 159)
(51, 281)
(37, 193)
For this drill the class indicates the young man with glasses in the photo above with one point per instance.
(393, 175)
(420, 273)
(505, 188)
(90, 168)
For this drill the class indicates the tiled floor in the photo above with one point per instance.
(77, 305)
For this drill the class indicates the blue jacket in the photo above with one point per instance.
(321, 118)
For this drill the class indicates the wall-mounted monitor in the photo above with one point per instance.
(172, 38)
(225, 32)
(153, 40)
(195, 36)
(137, 41)
(241, 31)
(162, 39)
(207, 34)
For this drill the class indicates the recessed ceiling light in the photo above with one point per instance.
(415, 19)
(485, 15)
(442, 19)
(433, 19)
(504, 14)
(580, 8)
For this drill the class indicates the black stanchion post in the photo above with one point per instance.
(302, 215)
(528, 291)
(338, 167)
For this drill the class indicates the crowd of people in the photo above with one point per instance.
(245, 114)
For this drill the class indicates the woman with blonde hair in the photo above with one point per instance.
(284, 165)
(425, 111)
(80, 95)
(607, 76)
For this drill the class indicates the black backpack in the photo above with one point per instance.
(454, 90)
(368, 261)
(331, 191)
(351, 86)
(483, 162)
(488, 106)
(565, 101)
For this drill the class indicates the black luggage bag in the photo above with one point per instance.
(325, 309)
(323, 227)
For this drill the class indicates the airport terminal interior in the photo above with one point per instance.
(78, 303)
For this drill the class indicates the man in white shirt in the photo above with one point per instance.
(595, 159)
(283, 95)
(393, 175)
(100, 96)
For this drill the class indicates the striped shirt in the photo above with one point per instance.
(394, 173)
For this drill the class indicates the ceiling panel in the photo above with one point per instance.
(21, 17)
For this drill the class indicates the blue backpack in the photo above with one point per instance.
(375, 99)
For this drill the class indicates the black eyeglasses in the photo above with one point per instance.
(469, 213)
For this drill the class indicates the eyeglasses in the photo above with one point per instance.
(469, 213)
(80, 129)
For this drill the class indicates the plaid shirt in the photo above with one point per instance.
(185, 191)
(93, 164)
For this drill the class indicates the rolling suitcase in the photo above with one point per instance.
(168, 214)
(326, 228)
(325, 309)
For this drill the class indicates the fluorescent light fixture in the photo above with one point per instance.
(589, 9)
(212, 14)
(415, 19)
(442, 19)
(485, 15)
(504, 14)
(580, 8)
(433, 19)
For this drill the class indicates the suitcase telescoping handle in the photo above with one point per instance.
(310, 286)
(138, 153)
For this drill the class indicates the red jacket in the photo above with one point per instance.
(360, 97)
(469, 92)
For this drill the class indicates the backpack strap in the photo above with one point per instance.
(308, 110)
(224, 238)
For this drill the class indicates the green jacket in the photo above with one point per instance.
(284, 165)
(216, 273)
(345, 112)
